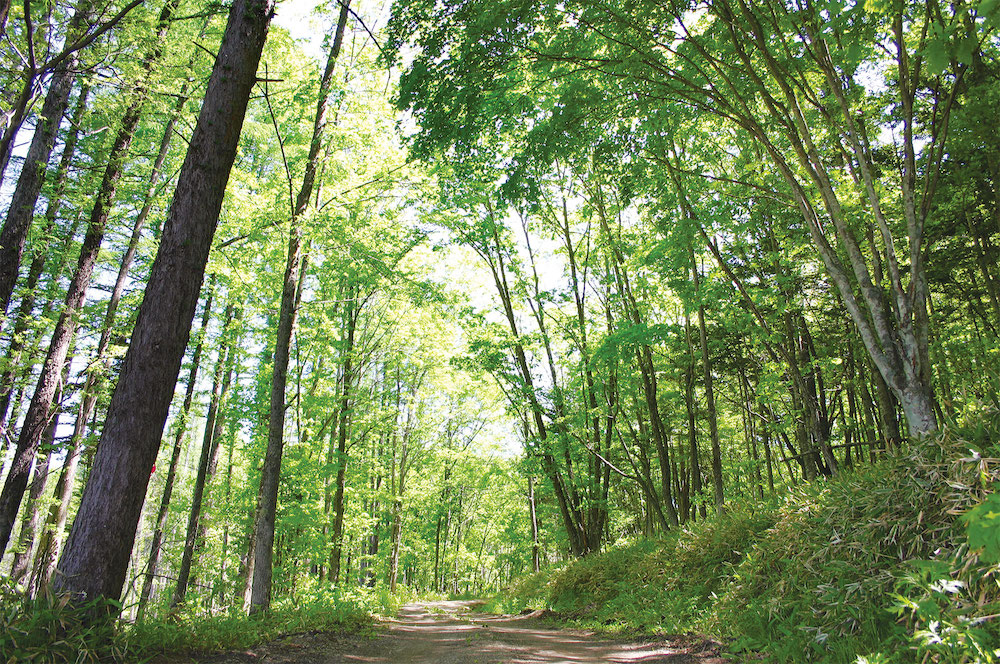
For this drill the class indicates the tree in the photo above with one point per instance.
(783, 76)
(100, 542)
(267, 501)
(22, 203)
(37, 417)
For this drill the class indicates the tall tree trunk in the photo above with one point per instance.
(29, 184)
(55, 522)
(692, 422)
(536, 559)
(102, 536)
(224, 555)
(706, 365)
(29, 523)
(53, 296)
(267, 496)
(91, 388)
(367, 576)
(96, 376)
(4, 10)
(351, 313)
(207, 461)
(38, 260)
(395, 539)
(48, 380)
(15, 116)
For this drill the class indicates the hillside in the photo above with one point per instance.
(875, 563)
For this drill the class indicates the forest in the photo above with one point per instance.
(679, 316)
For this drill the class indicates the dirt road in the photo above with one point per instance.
(453, 632)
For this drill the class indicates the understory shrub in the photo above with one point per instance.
(51, 630)
(192, 631)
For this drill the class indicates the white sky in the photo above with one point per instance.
(296, 17)
(299, 18)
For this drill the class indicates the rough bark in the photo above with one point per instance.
(97, 552)
(96, 375)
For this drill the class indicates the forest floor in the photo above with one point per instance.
(455, 632)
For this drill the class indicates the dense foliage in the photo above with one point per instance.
(492, 287)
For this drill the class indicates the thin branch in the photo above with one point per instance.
(89, 39)
(345, 5)
(281, 142)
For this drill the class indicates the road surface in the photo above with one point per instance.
(454, 632)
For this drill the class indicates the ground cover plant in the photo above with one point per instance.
(850, 567)
(56, 630)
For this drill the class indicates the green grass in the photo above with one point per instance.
(318, 610)
(874, 563)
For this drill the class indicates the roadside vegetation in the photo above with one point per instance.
(53, 630)
(891, 562)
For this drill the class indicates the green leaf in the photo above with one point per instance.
(936, 53)
(982, 524)
(990, 10)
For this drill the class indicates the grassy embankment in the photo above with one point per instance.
(876, 564)
(49, 630)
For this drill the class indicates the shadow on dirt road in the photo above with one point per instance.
(454, 632)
